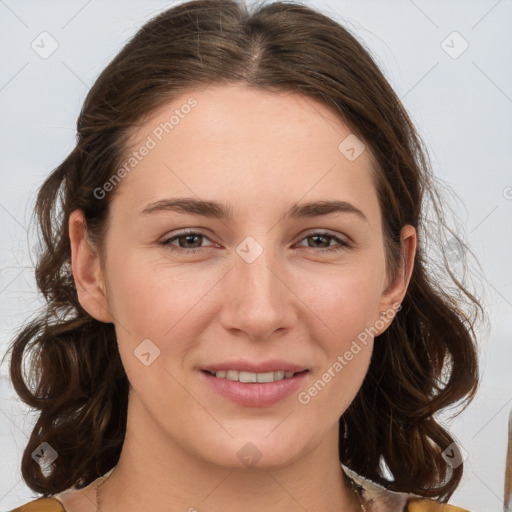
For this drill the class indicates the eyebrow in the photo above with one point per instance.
(217, 210)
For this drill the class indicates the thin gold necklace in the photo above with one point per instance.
(357, 490)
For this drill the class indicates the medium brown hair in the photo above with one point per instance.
(424, 362)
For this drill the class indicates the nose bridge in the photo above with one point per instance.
(255, 272)
(259, 302)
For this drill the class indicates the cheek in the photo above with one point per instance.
(345, 300)
(346, 308)
(157, 311)
(161, 303)
(150, 298)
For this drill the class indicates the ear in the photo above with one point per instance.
(87, 273)
(395, 291)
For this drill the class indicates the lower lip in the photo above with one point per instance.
(255, 394)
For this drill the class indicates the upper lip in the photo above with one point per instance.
(248, 366)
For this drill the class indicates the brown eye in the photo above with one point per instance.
(189, 239)
(188, 242)
(322, 241)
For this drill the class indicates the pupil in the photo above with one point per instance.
(317, 237)
(189, 237)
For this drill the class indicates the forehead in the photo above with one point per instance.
(248, 144)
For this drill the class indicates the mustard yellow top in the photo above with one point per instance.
(413, 505)
(375, 497)
(41, 505)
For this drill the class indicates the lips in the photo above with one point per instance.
(254, 384)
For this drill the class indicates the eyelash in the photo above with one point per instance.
(167, 242)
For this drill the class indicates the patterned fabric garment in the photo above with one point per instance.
(375, 499)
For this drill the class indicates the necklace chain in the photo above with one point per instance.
(352, 483)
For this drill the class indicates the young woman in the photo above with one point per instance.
(240, 310)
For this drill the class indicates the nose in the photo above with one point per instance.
(259, 296)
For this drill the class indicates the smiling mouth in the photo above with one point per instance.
(250, 377)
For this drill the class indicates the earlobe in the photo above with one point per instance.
(87, 272)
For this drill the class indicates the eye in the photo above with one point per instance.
(321, 241)
(185, 240)
(190, 242)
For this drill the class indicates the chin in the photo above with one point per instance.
(259, 452)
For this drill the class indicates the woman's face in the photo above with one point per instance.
(284, 272)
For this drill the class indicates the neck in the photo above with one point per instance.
(155, 473)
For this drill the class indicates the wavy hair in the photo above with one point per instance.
(423, 363)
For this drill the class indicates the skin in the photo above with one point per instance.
(259, 152)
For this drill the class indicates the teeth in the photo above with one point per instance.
(232, 375)
(253, 377)
(248, 377)
(268, 376)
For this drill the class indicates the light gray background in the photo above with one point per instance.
(462, 107)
